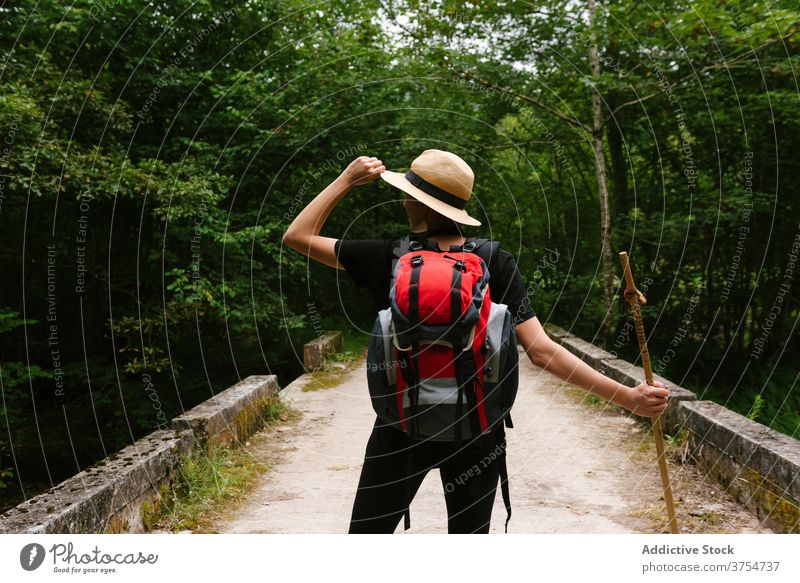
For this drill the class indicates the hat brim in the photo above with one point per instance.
(398, 180)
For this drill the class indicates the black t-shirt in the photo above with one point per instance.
(369, 262)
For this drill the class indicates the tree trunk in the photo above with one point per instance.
(619, 168)
(600, 167)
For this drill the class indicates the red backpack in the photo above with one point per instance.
(442, 359)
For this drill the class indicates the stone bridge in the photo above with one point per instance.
(576, 464)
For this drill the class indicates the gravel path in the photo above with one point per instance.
(574, 467)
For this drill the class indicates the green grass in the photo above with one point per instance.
(354, 346)
(208, 482)
(354, 341)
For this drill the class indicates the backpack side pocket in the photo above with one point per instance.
(382, 369)
(509, 363)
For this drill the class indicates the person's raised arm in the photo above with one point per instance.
(643, 399)
(303, 233)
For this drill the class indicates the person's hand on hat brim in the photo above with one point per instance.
(362, 170)
(303, 234)
(365, 169)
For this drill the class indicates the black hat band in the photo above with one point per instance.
(434, 190)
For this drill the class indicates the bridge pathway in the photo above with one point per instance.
(574, 467)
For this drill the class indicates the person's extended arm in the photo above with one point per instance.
(644, 399)
(303, 234)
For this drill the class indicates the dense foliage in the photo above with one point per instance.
(153, 153)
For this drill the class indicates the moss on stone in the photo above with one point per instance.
(324, 379)
(775, 507)
(751, 488)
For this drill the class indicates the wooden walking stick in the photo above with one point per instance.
(635, 298)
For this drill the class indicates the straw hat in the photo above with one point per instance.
(440, 180)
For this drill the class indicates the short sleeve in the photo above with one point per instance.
(511, 288)
(369, 263)
(364, 259)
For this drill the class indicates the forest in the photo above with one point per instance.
(152, 154)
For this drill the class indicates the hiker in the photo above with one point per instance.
(437, 188)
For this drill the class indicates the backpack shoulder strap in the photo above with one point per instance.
(400, 250)
(402, 247)
(405, 245)
(484, 248)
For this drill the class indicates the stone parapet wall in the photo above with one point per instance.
(111, 495)
(758, 466)
(316, 351)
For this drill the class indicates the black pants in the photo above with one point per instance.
(469, 474)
